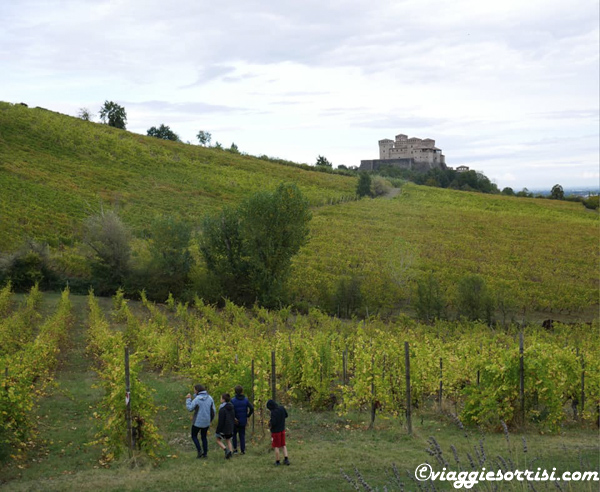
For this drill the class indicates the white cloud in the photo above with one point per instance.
(510, 87)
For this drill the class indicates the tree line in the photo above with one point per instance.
(242, 254)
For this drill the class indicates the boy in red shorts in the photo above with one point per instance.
(277, 426)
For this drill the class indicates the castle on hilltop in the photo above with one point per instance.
(407, 153)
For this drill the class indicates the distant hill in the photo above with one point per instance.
(55, 169)
(363, 257)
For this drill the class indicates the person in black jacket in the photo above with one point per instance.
(225, 425)
(243, 410)
(277, 426)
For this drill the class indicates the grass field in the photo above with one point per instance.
(541, 254)
(321, 444)
(539, 257)
(56, 169)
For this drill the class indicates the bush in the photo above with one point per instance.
(27, 267)
(429, 303)
(347, 299)
(380, 186)
(591, 202)
(108, 239)
(170, 258)
(363, 188)
(474, 300)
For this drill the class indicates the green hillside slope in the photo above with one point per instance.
(535, 255)
(54, 169)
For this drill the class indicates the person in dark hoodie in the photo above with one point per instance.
(225, 425)
(203, 407)
(243, 410)
(277, 426)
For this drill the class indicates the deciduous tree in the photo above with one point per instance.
(557, 192)
(248, 250)
(363, 187)
(204, 138)
(85, 114)
(163, 132)
(108, 238)
(170, 256)
(322, 161)
(113, 115)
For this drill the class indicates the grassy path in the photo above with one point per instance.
(65, 425)
(321, 444)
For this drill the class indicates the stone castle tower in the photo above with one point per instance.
(407, 153)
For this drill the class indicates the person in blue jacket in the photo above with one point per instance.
(204, 410)
(243, 410)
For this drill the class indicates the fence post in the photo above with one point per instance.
(582, 385)
(478, 371)
(273, 377)
(408, 399)
(521, 378)
(372, 424)
(441, 385)
(252, 370)
(344, 366)
(128, 404)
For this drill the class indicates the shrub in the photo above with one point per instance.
(380, 186)
(348, 298)
(591, 202)
(363, 188)
(474, 299)
(108, 239)
(170, 258)
(429, 303)
(28, 266)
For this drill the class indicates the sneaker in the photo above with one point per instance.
(277, 463)
(228, 454)
(243, 452)
(286, 462)
(235, 451)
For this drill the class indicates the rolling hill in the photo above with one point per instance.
(536, 255)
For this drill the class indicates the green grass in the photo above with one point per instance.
(320, 443)
(55, 169)
(541, 255)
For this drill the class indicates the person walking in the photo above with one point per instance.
(225, 425)
(243, 410)
(277, 426)
(204, 410)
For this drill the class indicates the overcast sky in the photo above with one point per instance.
(510, 87)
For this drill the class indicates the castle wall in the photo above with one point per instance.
(374, 164)
(419, 151)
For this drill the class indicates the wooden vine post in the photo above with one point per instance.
(441, 385)
(128, 404)
(252, 371)
(273, 377)
(372, 424)
(521, 378)
(582, 385)
(408, 399)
